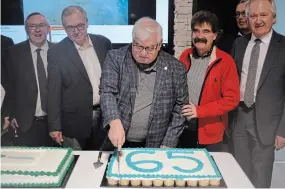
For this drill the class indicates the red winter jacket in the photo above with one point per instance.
(220, 94)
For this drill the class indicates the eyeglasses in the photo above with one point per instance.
(140, 48)
(35, 26)
(72, 28)
(238, 14)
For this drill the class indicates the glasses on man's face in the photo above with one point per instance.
(140, 48)
(35, 26)
(238, 14)
(79, 27)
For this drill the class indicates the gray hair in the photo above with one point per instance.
(146, 26)
(71, 10)
(272, 2)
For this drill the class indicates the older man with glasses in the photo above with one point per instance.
(241, 18)
(27, 76)
(74, 78)
(142, 91)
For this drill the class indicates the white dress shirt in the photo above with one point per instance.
(2, 95)
(92, 66)
(43, 52)
(265, 40)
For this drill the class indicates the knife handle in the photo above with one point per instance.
(99, 156)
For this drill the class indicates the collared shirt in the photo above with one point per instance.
(265, 41)
(92, 67)
(43, 53)
(240, 34)
(2, 95)
(144, 96)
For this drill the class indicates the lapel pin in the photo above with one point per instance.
(165, 68)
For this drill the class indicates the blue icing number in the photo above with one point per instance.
(133, 164)
(196, 169)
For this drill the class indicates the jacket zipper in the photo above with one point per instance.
(215, 63)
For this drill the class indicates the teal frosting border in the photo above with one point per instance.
(169, 176)
(39, 173)
(42, 185)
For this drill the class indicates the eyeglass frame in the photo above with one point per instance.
(40, 26)
(238, 14)
(72, 28)
(145, 48)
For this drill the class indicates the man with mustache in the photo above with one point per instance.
(241, 18)
(213, 86)
(73, 88)
(259, 121)
(27, 77)
(143, 90)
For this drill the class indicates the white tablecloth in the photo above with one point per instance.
(84, 174)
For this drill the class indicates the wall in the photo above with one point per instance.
(280, 24)
(182, 25)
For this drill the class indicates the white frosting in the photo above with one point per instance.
(46, 160)
(168, 164)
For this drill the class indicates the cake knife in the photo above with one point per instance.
(118, 161)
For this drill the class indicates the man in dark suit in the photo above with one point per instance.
(27, 76)
(259, 121)
(73, 87)
(143, 90)
(6, 42)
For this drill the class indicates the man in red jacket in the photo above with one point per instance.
(213, 86)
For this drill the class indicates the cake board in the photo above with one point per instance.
(104, 182)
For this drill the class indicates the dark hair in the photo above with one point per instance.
(32, 14)
(243, 1)
(208, 17)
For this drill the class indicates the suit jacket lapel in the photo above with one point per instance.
(30, 66)
(272, 51)
(133, 74)
(161, 72)
(76, 59)
(241, 52)
(98, 49)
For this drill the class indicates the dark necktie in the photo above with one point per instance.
(250, 82)
(42, 80)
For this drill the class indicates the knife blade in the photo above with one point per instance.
(118, 161)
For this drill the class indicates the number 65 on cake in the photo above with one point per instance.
(163, 166)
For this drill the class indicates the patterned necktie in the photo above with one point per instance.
(42, 80)
(250, 82)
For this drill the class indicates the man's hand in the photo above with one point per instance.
(163, 146)
(279, 142)
(56, 136)
(6, 123)
(14, 124)
(189, 111)
(117, 133)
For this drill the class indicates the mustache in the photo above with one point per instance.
(200, 40)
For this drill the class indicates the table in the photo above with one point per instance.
(84, 174)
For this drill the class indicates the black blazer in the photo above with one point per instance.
(22, 98)
(270, 97)
(70, 94)
(6, 42)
